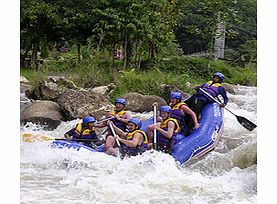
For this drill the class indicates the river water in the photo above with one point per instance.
(226, 175)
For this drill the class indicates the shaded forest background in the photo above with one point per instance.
(137, 44)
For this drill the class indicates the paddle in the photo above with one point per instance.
(121, 151)
(242, 120)
(100, 121)
(155, 130)
(27, 137)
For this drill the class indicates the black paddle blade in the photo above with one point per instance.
(246, 123)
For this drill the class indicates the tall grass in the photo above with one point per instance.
(99, 69)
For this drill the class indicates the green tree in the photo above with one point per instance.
(196, 30)
(37, 21)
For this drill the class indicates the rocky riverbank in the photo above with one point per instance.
(59, 99)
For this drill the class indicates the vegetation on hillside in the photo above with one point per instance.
(138, 45)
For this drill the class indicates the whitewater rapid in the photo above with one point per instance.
(226, 175)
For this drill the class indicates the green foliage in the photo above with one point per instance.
(34, 77)
(145, 31)
(147, 82)
(196, 30)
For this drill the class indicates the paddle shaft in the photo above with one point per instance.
(242, 120)
(76, 139)
(216, 100)
(117, 141)
(100, 121)
(155, 130)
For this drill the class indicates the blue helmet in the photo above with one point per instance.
(166, 109)
(176, 95)
(136, 121)
(89, 119)
(120, 100)
(220, 75)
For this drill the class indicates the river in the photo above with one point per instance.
(226, 175)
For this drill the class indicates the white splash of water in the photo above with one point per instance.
(226, 175)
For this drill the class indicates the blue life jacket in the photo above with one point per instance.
(133, 151)
(211, 88)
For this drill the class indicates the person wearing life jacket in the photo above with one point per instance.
(166, 130)
(134, 141)
(84, 130)
(197, 101)
(120, 119)
(180, 109)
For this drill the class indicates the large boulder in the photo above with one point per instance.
(28, 90)
(104, 90)
(229, 88)
(46, 113)
(167, 89)
(24, 101)
(140, 103)
(54, 86)
(81, 103)
(27, 93)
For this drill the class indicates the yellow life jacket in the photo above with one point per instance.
(178, 105)
(120, 113)
(130, 136)
(165, 126)
(215, 84)
(87, 131)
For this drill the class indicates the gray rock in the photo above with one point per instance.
(101, 90)
(140, 103)
(29, 91)
(229, 88)
(81, 103)
(23, 79)
(46, 113)
(167, 89)
(62, 81)
(54, 86)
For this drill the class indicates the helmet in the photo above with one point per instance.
(166, 109)
(136, 121)
(176, 95)
(89, 119)
(220, 75)
(120, 100)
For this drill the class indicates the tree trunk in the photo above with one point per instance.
(140, 55)
(23, 57)
(100, 40)
(79, 52)
(152, 50)
(34, 63)
(127, 50)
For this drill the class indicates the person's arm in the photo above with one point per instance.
(101, 125)
(170, 130)
(223, 93)
(134, 142)
(188, 111)
(68, 134)
(118, 131)
(125, 118)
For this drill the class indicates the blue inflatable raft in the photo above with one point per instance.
(198, 143)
